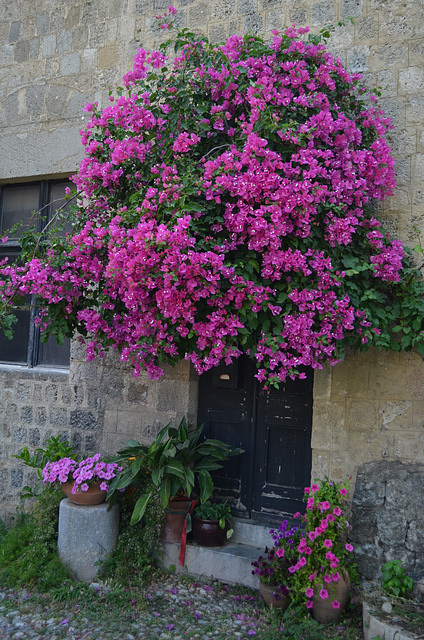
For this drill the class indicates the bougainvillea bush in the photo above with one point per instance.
(225, 207)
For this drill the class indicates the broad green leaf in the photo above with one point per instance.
(140, 508)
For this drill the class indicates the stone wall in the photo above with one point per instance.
(55, 56)
(371, 407)
(388, 517)
(96, 406)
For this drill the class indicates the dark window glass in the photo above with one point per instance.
(17, 203)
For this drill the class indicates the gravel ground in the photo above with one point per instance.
(175, 608)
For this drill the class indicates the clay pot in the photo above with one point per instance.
(323, 610)
(208, 533)
(175, 516)
(267, 592)
(94, 495)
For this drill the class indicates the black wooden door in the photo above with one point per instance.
(274, 429)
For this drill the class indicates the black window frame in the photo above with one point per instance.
(37, 355)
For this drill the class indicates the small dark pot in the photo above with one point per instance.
(208, 533)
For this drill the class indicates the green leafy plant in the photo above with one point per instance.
(395, 581)
(176, 460)
(132, 562)
(28, 550)
(56, 449)
(216, 511)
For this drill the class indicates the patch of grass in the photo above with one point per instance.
(411, 613)
(28, 549)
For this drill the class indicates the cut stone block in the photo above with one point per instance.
(86, 535)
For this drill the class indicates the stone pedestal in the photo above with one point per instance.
(86, 535)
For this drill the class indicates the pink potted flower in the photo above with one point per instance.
(85, 482)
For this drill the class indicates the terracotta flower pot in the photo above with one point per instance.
(267, 592)
(94, 495)
(208, 533)
(175, 516)
(323, 610)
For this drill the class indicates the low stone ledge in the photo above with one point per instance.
(374, 628)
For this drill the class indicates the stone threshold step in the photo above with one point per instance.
(230, 563)
(252, 533)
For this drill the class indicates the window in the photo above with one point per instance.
(17, 203)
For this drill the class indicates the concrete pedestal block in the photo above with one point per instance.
(86, 534)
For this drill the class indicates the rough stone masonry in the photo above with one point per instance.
(388, 517)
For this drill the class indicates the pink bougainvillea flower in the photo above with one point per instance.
(168, 195)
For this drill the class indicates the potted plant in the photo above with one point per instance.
(272, 568)
(178, 460)
(84, 482)
(211, 523)
(321, 576)
(56, 448)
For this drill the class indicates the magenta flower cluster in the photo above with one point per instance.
(82, 474)
(272, 568)
(222, 210)
(308, 560)
(324, 554)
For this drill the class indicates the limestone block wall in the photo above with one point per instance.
(369, 408)
(55, 56)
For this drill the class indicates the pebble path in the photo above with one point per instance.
(175, 608)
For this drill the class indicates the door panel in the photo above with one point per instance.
(283, 449)
(225, 409)
(274, 429)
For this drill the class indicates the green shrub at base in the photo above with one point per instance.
(28, 549)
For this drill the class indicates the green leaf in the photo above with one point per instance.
(205, 485)
(165, 492)
(176, 468)
(140, 508)
(136, 465)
